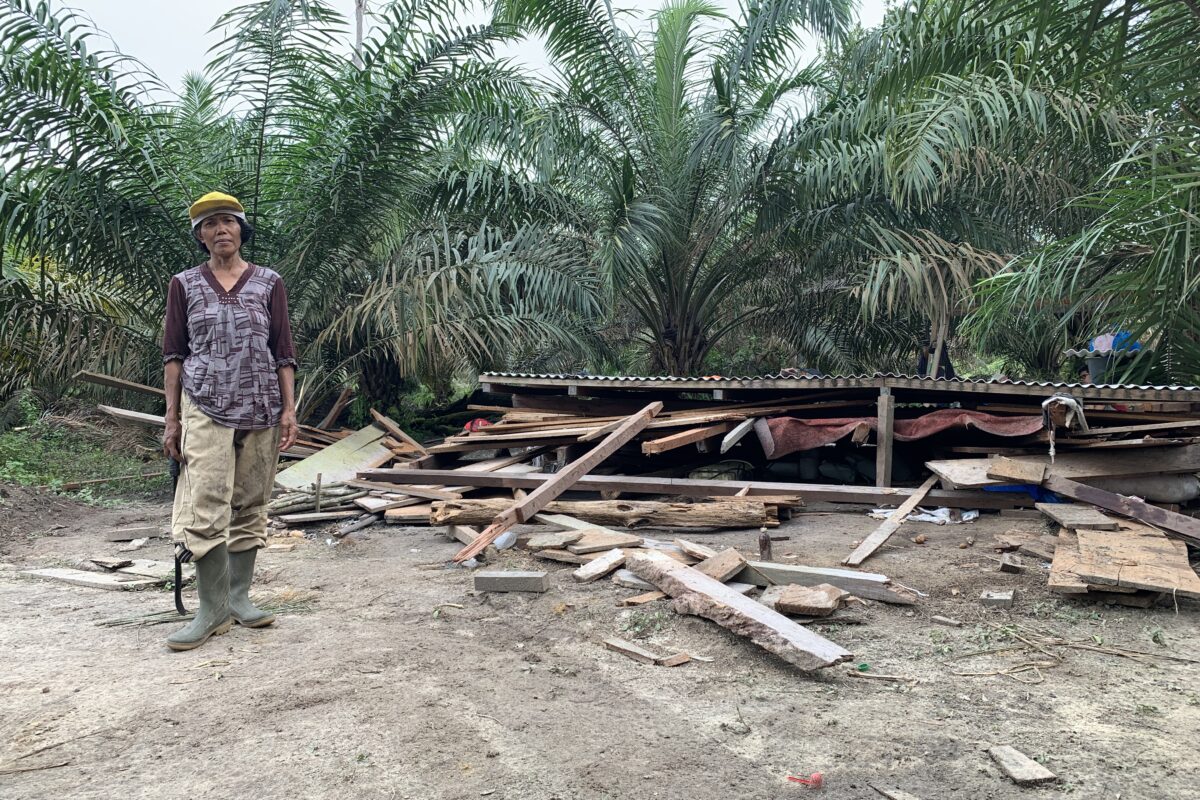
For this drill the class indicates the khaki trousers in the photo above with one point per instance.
(224, 484)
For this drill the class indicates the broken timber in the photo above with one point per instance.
(695, 593)
(723, 513)
(560, 481)
(1187, 528)
(867, 585)
(889, 526)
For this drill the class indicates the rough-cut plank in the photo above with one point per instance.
(971, 473)
(341, 461)
(462, 533)
(1063, 577)
(737, 434)
(694, 487)
(598, 540)
(697, 551)
(316, 516)
(634, 651)
(600, 567)
(408, 515)
(1123, 429)
(725, 513)
(395, 430)
(1042, 547)
(1023, 770)
(867, 585)
(425, 492)
(684, 438)
(1187, 528)
(565, 556)
(1136, 558)
(1011, 470)
(624, 577)
(695, 593)
(93, 580)
(873, 542)
(723, 566)
(552, 541)
(561, 481)
(809, 601)
(377, 505)
(674, 660)
(1074, 516)
(642, 599)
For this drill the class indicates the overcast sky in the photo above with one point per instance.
(171, 37)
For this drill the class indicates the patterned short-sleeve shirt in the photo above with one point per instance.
(231, 344)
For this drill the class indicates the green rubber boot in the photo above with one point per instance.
(241, 573)
(212, 618)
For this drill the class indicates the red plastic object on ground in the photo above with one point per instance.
(476, 424)
(814, 781)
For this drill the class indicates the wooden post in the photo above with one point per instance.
(883, 438)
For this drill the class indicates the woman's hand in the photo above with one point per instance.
(288, 429)
(172, 438)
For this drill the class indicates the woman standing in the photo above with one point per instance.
(229, 372)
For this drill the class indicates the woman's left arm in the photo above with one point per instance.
(280, 342)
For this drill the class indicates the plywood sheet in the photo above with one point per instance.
(338, 462)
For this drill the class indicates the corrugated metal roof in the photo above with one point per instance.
(868, 381)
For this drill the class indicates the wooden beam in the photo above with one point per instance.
(890, 525)
(867, 585)
(339, 405)
(884, 437)
(1123, 429)
(726, 513)
(134, 416)
(697, 594)
(561, 481)
(1184, 527)
(395, 430)
(688, 487)
(735, 435)
(117, 383)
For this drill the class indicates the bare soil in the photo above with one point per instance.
(387, 689)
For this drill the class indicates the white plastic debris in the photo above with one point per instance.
(938, 516)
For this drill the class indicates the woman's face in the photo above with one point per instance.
(221, 234)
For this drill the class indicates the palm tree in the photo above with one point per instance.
(335, 162)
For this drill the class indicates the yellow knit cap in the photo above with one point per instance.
(215, 203)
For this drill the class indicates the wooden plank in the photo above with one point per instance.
(426, 492)
(881, 534)
(867, 585)
(408, 515)
(1023, 770)
(338, 462)
(462, 533)
(600, 567)
(654, 484)
(93, 580)
(1136, 558)
(684, 438)
(733, 513)
(1063, 576)
(893, 794)
(968, 473)
(561, 481)
(697, 551)
(378, 505)
(391, 427)
(154, 420)
(1145, 428)
(809, 601)
(885, 421)
(316, 516)
(736, 435)
(117, 383)
(723, 566)
(1074, 516)
(1010, 470)
(598, 540)
(1187, 528)
(552, 541)
(695, 593)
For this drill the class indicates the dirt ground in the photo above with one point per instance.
(380, 691)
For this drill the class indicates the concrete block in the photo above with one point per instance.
(511, 581)
(995, 599)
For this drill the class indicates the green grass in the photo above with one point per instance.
(52, 451)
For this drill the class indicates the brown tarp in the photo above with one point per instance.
(783, 435)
